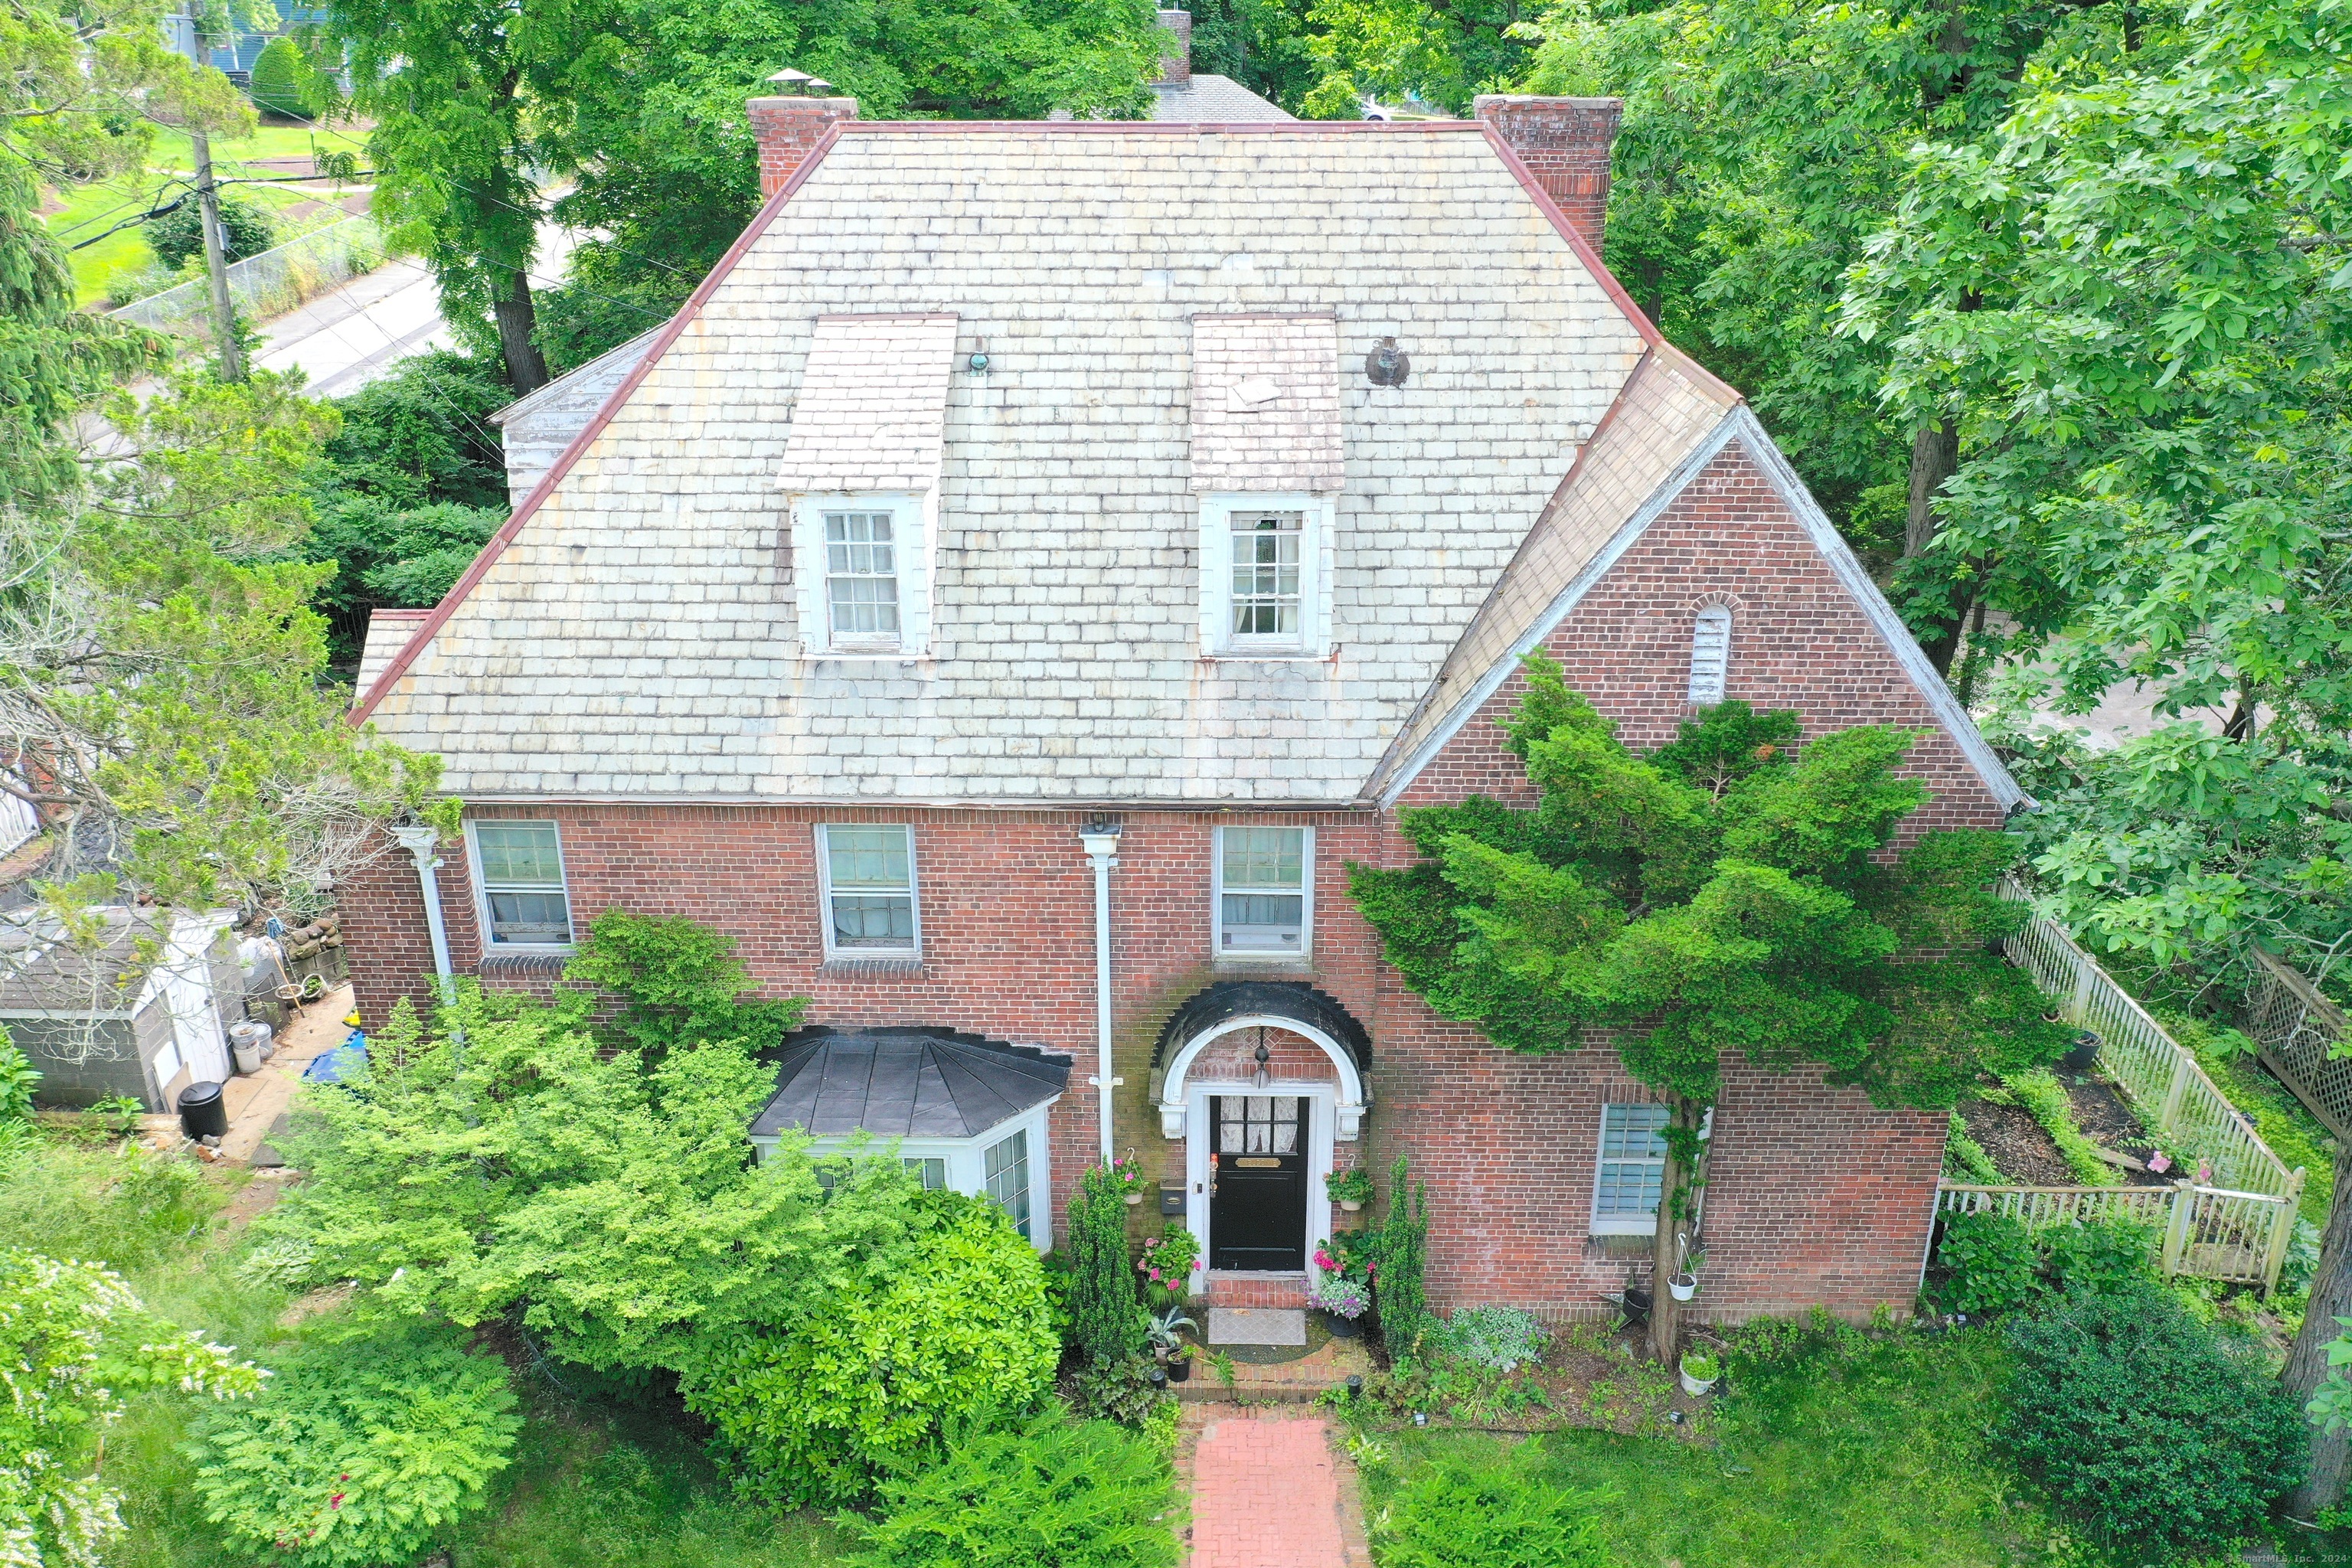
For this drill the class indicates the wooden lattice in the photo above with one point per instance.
(2294, 1028)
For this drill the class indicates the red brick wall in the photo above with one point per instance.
(787, 130)
(1565, 144)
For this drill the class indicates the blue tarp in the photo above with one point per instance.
(331, 1067)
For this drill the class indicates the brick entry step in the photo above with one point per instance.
(1230, 1289)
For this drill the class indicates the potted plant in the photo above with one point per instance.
(1167, 1341)
(1351, 1190)
(2084, 1053)
(1129, 1177)
(1343, 1301)
(1169, 1259)
(1683, 1286)
(1699, 1372)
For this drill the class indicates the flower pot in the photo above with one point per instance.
(1179, 1369)
(1342, 1328)
(1134, 1198)
(1695, 1387)
(2085, 1054)
(1350, 1205)
(1683, 1287)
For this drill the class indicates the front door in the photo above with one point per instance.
(1257, 1183)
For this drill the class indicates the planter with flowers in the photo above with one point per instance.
(1129, 1177)
(1343, 1302)
(1168, 1261)
(1351, 1190)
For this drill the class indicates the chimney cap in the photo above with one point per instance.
(791, 83)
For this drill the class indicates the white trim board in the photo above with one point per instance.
(1740, 425)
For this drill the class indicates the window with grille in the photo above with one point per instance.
(521, 866)
(1632, 1170)
(870, 890)
(1257, 1124)
(1262, 889)
(1268, 577)
(1007, 1179)
(932, 1170)
(1710, 656)
(861, 577)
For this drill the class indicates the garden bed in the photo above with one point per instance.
(2022, 1148)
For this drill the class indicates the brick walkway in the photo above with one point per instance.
(1268, 1493)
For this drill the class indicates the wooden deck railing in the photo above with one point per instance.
(2238, 1228)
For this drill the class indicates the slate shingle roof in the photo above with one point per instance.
(1212, 99)
(635, 636)
(905, 1083)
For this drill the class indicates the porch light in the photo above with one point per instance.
(1261, 1077)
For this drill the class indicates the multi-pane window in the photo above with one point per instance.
(1632, 1169)
(1267, 583)
(1257, 1124)
(1262, 889)
(932, 1170)
(869, 888)
(1710, 656)
(522, 883)
(1006, 1171)
(861, 576)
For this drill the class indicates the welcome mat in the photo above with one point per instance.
(1257, 1326)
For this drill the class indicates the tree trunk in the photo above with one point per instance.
(1671, 1239)
(2306, 1362)
(526, 369)
(1934, 458)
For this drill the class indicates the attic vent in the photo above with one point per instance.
(1710, 655)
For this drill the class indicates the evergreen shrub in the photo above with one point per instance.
(1106, 1314)
(357, 1454)
(951, 1331)
(2152, 1427)
(1457, 1514)
(1050, 1492)
(277, 73)
(178, 236)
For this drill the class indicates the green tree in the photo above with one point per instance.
(280, 79)
(178, 236)
(1762, 922)
(1106, 1318)
(79, 1345)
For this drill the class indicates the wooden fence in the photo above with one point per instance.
(2293, 1027)
(2237, 1227)
(2212, 1233)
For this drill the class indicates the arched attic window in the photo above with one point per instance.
(1710, 655)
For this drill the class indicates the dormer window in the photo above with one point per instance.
(863, 565)
(1710, 655)
(1263, 562)
(861, 578)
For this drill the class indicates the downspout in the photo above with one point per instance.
(1101, 840)
(422, 845)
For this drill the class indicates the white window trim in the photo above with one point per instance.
(967, 1162)
(1317, 521)
(1321, 1121)
(913, 530)
(490, 943)
(825, 900)
(1706, 687)
(1616, 1224)
(1217, 901)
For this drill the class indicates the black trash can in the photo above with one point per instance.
(203, 1112)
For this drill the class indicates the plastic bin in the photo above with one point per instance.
(203, 1112)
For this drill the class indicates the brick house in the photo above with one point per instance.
(1037, 562)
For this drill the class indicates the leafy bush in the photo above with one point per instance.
(2099, 1259)
(1119, 1390)
(18, 1079)
(178, 236)
(1456, 1514)
(2147, 1423)
(1053, 1491)
(422, 434)
(681, 985)
(1504, 1338)
(1105, 1319)
(861, 1384)
(277, 73)
(1990, 1264)
(358, 1453)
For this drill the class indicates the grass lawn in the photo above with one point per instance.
(1856, 1454)
(589, 1486)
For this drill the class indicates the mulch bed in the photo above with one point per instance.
(2106, 1119)
(2021, 1149)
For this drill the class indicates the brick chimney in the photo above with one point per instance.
(1564, 142)
(788, 126)
(1176, 54)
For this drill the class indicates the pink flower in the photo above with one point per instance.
(336, 1500)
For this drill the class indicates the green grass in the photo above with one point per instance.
(1857, 1454)
(589, 1486)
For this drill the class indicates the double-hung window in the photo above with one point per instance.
(1006, 1165)
(861, 578)
(1631, 1169)
(1263, 565)
(1268, 578)
(868, 874)
(1264, 891)
(521, 867)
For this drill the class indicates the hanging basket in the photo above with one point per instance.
(1683, 1287)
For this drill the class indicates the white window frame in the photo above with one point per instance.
(1217, 900)
(914, 950)
(967, 1162)
(1708, 682)
(913, 529)
(1621, 1225)
(491, 942)
(1315, 525)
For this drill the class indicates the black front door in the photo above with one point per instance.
(1257, 1183)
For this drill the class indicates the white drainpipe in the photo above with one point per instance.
(423, 844)
(1102, 848)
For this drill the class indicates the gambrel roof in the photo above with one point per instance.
(631, 632)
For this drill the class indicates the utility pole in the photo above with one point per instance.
(232, 359)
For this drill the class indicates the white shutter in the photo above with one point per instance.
(1710, 655)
